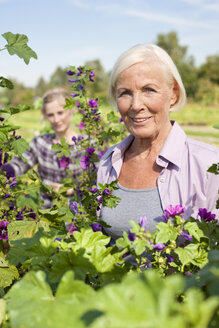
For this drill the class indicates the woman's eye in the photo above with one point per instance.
(123, 93)
(149, 90)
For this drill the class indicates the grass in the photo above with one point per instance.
(193, 115)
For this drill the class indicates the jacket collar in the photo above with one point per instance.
(172, 150)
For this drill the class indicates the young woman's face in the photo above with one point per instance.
(144, 97)
(58, 117)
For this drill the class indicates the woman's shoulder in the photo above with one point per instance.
(202, 153)
(119, 147)
(42, 140)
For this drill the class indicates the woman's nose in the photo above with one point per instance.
(56, 118)
(137, 102)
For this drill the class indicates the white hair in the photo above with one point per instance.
(147, 53)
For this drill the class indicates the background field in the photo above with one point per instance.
(196, 120)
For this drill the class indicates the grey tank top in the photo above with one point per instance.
(134, 203)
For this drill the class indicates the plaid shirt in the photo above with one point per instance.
(49, 169)
(41, 153)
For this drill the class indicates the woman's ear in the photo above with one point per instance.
(175, 94)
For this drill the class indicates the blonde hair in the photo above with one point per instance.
(147, 53)
(53, 94)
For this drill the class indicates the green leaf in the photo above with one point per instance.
(193, 230)
(165, 232)
(5, 83)
(187, 254)
(214, 168)
(17, 45)
(8, 275)
(21, 229)
(71, 288)
(31, 303)
(20, 145)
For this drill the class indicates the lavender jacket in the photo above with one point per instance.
(184, 179)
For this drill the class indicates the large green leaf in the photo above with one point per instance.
(17, 45)
(31, 303)
(21, 229)
(20, 145)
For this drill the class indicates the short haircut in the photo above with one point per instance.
(53, 94)
(147, 53)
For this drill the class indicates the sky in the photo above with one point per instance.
(70, 32)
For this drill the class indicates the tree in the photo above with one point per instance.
(184, 63)
(210, 69)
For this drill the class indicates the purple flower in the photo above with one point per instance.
(96, 227)
(13, 183)
(12, 206)
(159, 247)
(19, 215)
(74, 139)
(3, 230)
(186, 235)
(70, 73)
(77, 103)
(80, 138)
(97, 118)
(74, 207)
(85, 162)
(205, 215)
(107, 191)
(143, 221)
(73, 95)
(58, 239)
(90, 150)
(71, 228)
(81, 87)
(188, 273)
(174, 210)
(64, 162)
(99, 199)
(93, 103)
(80, 71)
(120, 120)
(16, 137)
(94, 111)
(165, 217)
(81, 126)
(6, 196)
(131, 236)
(170, 259)
(93, 190)
(91, 76)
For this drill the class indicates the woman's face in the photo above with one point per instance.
(144, 97)
(58, 117)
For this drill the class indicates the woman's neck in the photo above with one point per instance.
(68, 134)
(144, 148)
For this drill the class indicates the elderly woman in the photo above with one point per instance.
(157, 165)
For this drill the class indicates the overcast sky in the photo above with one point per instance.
(69, 32)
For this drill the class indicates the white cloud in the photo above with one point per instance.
(118, 9)
(168, 19)
(212, 5)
